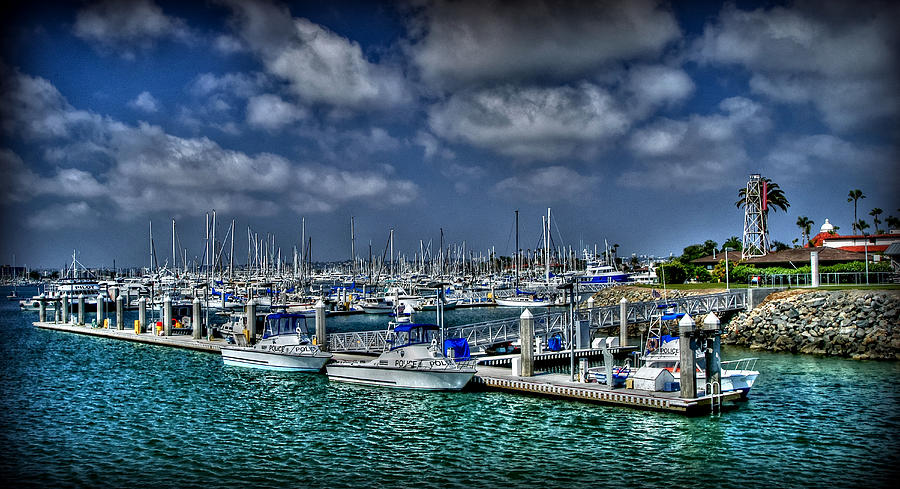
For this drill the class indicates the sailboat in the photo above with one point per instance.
(14, 296)
(522, 298)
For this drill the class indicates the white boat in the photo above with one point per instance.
(375, 305)
(430, 304)
(285, 346)
(414, 361)
(524, 300)
(663, 351)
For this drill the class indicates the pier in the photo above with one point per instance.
(490, 332)
(489, 377)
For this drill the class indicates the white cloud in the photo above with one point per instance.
(228, 44)
(152, 170)
(272, 112)
(841, 57)
(697, 153)
(57, 216)
(320, 66)
(125, 27)
(461, 43)
(654, 85)
(553, 183)
(801, 157)
(531, 123)
(145, 102)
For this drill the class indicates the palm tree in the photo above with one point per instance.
(805, 225)
(875, 220)
(892, 222)
(861, 226)
(853, 196)
(774, 197)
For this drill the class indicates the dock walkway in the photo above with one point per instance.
(557, 386)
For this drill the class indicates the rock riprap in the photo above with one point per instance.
(857, 324)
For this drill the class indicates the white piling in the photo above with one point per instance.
(623, 322)
(687, 347)
(65, 308)
(526, 338)
(167, 315)
(321, 339)
(120, 312)
(42, 309)
(101, 310)
(81, 309)
(195, 320)
(142, 313)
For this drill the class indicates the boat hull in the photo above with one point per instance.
(368, 374)
(283, 359)
(522, 303)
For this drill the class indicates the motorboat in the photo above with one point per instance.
(524, 299)
(431, 303)
(663, 351)
(736, 375)
(413, 360)
(375, 305)
(285, 346)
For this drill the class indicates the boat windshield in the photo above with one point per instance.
(284, 324)
(413, 334)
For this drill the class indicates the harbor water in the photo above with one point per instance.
(80, 411)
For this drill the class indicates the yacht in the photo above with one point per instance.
(285, 346)
(413, 360)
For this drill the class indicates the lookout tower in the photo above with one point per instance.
(756, 236)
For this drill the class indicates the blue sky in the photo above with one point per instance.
(636, 122)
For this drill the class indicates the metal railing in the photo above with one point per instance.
(547, 324)
(829, 278)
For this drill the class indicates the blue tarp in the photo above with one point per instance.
(460, 348)
(666, 338)
(554, 343)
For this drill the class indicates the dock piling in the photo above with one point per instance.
(320, 325)
(81, 309)
(142, 313)
(101, 310)
(688, 349)
(65, 308)
(623, 322)
(195, 319)
(56, 310)
(42, 309)
(712, 350)
(251, 321)
(167, 315)
(526, 336)
(120, 312)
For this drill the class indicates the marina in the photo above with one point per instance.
(449, 244)
(123, 397)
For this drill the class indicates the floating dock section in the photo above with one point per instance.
(556, 386)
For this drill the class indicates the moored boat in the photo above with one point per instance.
(413, 361)
(285, 346)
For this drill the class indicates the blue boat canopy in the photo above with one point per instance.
(405, 328)
(460, 348)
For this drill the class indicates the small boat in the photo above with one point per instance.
(524, 299)
(430, 304)
(413, 361)
(285, 346)
(375, 305)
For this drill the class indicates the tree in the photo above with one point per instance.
(734, 243)
(774, 197)
(892, 222)
(875, 220)
(861, 226)
(805, 225)
(779, 246)
(854, 196)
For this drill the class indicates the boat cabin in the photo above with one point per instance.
(412, 334)
(285, 324)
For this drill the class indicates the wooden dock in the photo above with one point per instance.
(556, 386)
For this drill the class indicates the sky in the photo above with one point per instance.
(635, 122)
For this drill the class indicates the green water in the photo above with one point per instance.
(80, 411)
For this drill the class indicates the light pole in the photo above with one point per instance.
(727, 284)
